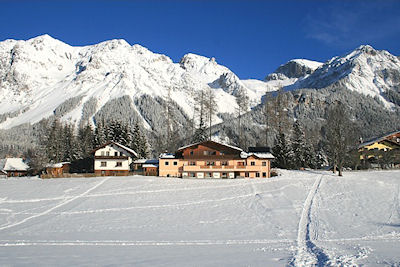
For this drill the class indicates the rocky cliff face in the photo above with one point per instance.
(296, 68)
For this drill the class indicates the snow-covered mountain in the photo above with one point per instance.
(364, 70)
(43, 76)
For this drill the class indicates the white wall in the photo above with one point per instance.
(111, 163)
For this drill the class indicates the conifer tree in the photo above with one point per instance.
(86, 141)
(282, 151)
(303, 153)
(100, 137)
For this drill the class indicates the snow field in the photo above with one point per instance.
(301, 218)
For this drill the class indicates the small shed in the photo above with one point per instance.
(148, 167)
(58, 169)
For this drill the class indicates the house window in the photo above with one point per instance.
(102, 153)
(224, 175)
(224, 163)
(167, 163)
(264, 163)
(257, 174)
(253, 163)
(192, 174)
(222, 153)
(107, 153)
(118, 164)
(116, 154)
(246, 174)
(175, 163)
(192, 163)
(208, 175)
(191, 152)
(210, 163)
(240, 163)
(121, 154)
(264, 174)
(103, 164)
(205, 153)
(213, 153)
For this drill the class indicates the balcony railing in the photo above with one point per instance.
(191, 168)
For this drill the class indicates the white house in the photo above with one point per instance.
(113, 159)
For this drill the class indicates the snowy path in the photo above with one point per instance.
(308, 254)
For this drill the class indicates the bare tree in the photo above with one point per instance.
(210, 107)
(200, 108)
(340, 136)
(242, 100)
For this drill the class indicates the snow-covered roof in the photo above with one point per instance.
(146, 161)
(57, 165)
(150, 166)
(265, 155)
(13, 164)
(133, 152)
(166, 156)
(127, 149)
(218, 143)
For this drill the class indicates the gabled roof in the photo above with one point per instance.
(378, 139)
(13, 164)
(127, 149)
(260, 155)
(212, 142)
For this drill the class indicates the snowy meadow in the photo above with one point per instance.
(301, 218)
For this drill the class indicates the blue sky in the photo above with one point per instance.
(252, 38)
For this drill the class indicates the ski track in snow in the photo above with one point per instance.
(54, 207)
(308, 254)
(9, 243)
(11, 201)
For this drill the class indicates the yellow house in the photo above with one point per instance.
(377, 146)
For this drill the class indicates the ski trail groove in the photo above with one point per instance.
(307, 253)
(55, 207)
(9, 243)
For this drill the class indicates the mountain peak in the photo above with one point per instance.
(367, 49)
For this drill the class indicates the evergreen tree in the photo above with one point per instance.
(100, 136)
(303, 152)
(54, 143)
(139, 142)
(86, 141)
(282, 151)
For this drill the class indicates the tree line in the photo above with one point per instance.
(63, 142)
